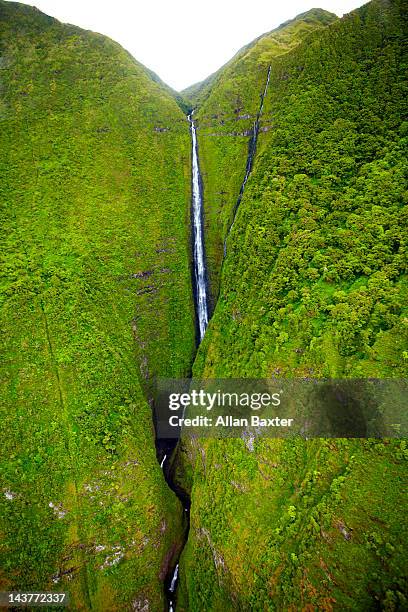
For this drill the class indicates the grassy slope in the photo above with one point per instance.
(227, 105)
(96, 299)
(312, 285)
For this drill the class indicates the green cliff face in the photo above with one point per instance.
(96, 300)
(312, 285)
(313, 279)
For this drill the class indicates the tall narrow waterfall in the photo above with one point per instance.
(200, 272)
(201, 305)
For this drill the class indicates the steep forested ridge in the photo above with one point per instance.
(316, 279)
(313, 285)
(96, 300)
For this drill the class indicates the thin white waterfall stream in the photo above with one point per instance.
(173, 587)
(201, 305)
(174, 580)
(198, 238)
(250, 158)
(200, 271)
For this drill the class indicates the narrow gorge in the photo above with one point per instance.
(166, 448)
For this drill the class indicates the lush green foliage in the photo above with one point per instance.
(314, 273)
(232, 80)
(299, 525)
(96, 300)
(313, 285)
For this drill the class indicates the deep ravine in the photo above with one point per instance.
(165, 448)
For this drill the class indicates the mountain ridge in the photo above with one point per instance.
(313, 285)
(192, 92)
(97, 302)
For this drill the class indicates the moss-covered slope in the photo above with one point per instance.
(96, 300)
(313, 285)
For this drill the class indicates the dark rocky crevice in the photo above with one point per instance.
(166, 449)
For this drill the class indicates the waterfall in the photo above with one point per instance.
(201, 307)
(200, 272)
(174, 580)
(201, 287)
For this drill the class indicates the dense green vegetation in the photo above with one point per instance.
(313, 285)
(291, 526)
(314, 273)
(96, 300)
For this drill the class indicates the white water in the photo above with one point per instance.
(174, 579)
(163, 460)
(265, 91)
(198, 239)
(200, 280)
